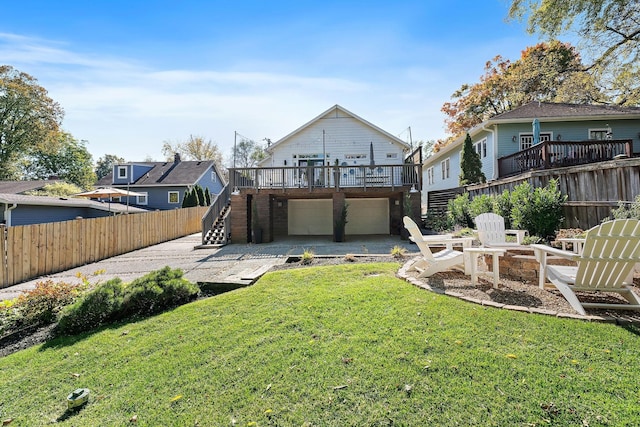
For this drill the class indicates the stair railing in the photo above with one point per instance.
(219, 203)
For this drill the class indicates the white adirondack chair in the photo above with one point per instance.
(610, 252)
(492, 233)
(432, 263)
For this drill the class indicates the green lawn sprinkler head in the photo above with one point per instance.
(78, 397)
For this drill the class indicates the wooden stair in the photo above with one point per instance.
(216, 234)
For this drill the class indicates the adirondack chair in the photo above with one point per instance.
(432, 263)
(610, 252)
(492, 233)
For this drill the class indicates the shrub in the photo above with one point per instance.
(96, 308)
(502, 207)
(480, 204)
(539, 211)
(158, 291)
(398, 252)
(41, 305)
(437, 220)
(112, 300)
(307, 257)
(458, 211)
(624, 210)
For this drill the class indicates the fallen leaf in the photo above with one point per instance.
(75, 375)
(512, 356)
(7, 421)
(133, 419)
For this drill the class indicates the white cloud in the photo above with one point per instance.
(127, 107)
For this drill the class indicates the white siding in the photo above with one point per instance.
(343, 137)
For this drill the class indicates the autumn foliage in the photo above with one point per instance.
(546, 72)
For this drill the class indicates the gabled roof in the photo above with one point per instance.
(565, 112)
(182, 173)
(20, 199)
(337, 107)
(19, 187)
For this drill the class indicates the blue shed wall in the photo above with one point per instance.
(28, 214)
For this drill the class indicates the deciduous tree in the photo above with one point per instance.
(247, 153)
(609, 31)
(28, 117)
(62, 156)
(194, 148)
(550, 72)
(105, 164)
(57, 189)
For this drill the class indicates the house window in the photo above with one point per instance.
(355, 156)
(600, 134)
(174, 197)
(309, 156)
(481, 148)
(430, 178)
(214, 176)
(445, 168)
(122, 172)
(526, 139)
(142, 200)
(392, 155)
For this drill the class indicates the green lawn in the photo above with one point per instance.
(346, 345)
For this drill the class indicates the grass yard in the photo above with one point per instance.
(347, 345)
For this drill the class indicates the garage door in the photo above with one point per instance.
(310, 217)
(367, 216)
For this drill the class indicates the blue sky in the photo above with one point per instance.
(132, 74)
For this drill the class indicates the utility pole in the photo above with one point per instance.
(235, 138)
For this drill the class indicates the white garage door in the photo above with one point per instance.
(310, 217)
(367, 216)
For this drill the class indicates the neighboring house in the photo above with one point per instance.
(22, 187)
(309, 174)
(569, 134)
(18, 209)
(163, 184)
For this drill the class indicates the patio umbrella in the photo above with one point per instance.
(109, 192)
(536, 131)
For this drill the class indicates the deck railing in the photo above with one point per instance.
(336, 177)
(557, 154)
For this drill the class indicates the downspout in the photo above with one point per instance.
(494, 137)
(7, 213)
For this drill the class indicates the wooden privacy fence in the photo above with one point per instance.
(31, 251)
(593, 190)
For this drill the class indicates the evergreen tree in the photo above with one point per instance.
(470, 165)
(200, 194)
(185, 200)
(207, 197)
(190, 199)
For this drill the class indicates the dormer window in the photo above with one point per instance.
(122, 172)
